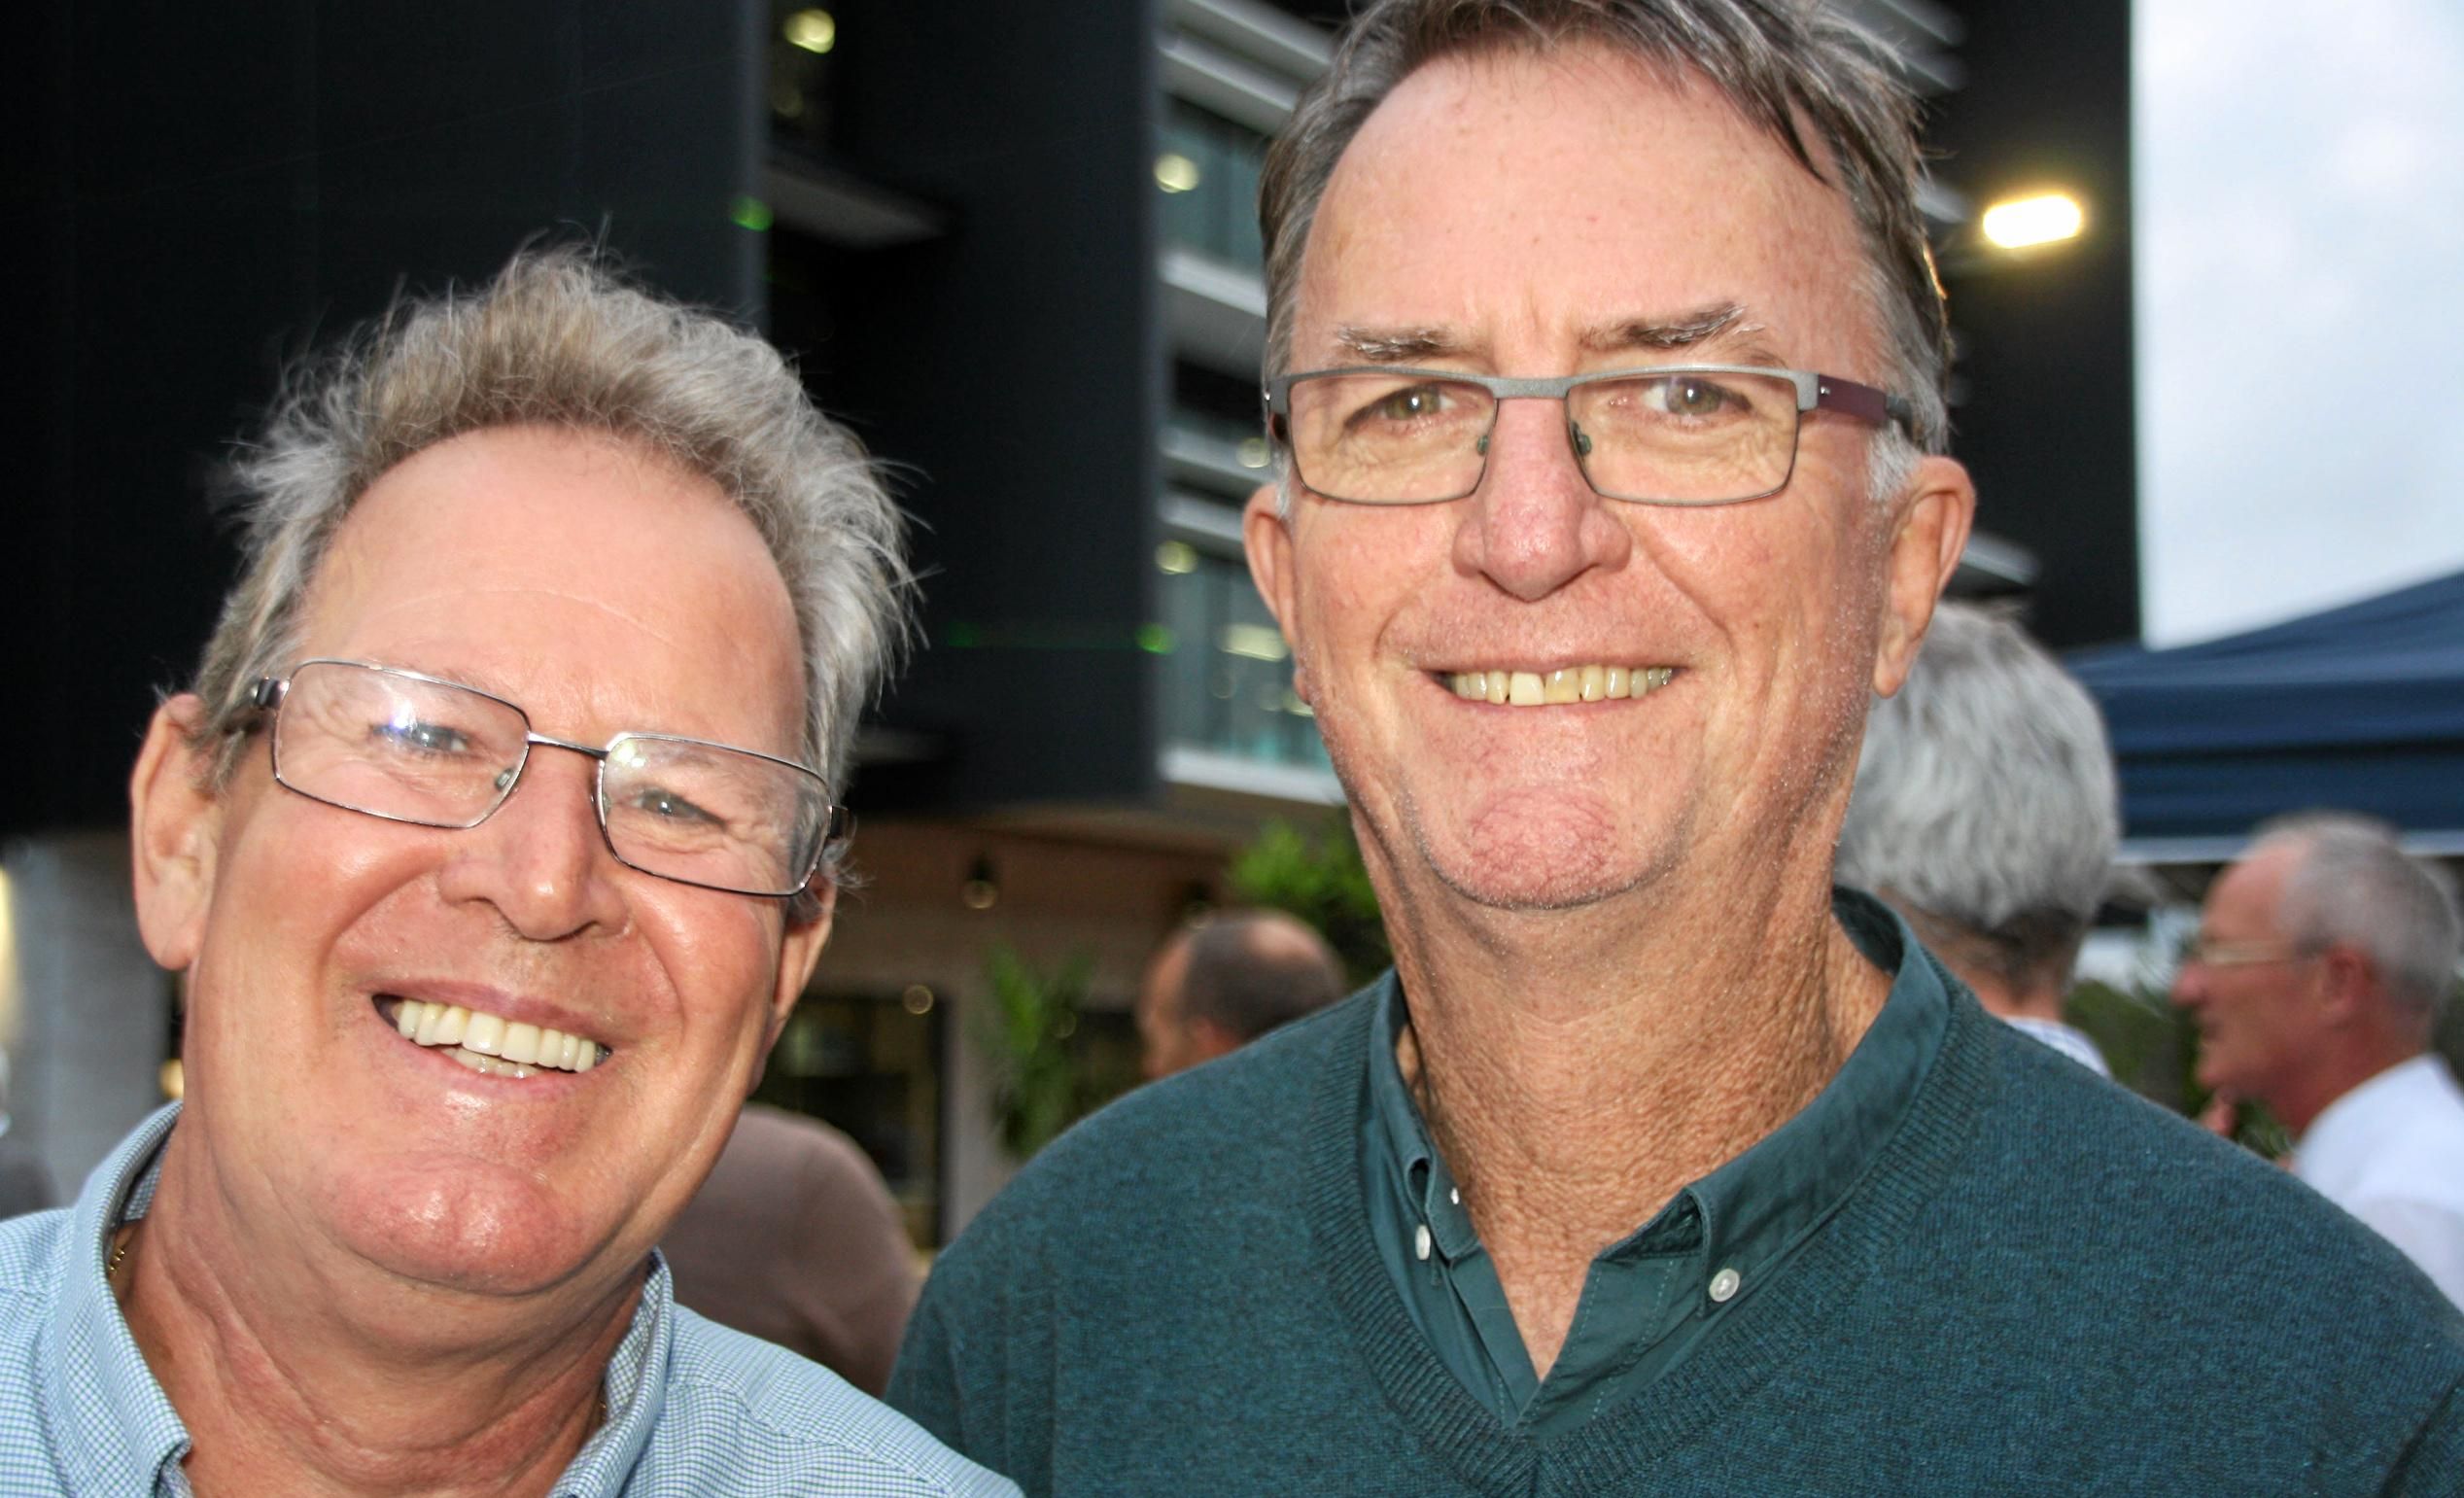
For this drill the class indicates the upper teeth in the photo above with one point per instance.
(491, 1044)
(1568, 683)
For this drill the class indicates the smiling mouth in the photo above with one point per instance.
(487, 1043)
(1548, 689)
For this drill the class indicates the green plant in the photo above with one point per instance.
(1044, 1083)
(1321, 880)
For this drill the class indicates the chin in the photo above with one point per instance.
(1534, 853)
(490, 1229)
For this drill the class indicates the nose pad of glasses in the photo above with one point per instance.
(1579, 437)
(1482, 446)
(504, 778)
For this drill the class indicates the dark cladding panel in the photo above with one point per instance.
(2048, 420)
(1011, 369)
(209, 197)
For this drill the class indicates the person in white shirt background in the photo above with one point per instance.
(2323, 958)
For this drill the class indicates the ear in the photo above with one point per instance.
(1208, 1040)
(2348, 986)
(1265, 534)
(175, 819)
(1929, 530)
(800, 950)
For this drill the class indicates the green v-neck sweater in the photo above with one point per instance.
(2043, 1285)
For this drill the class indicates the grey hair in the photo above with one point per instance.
(2352, 882)
(1783, 63)
(559, 339)
(1251, 971)
(1986, 796)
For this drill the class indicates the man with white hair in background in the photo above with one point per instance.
(2323, 955)
(1985, 813)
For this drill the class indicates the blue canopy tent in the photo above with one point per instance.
(2360, 707)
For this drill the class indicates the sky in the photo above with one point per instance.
(2300, 239)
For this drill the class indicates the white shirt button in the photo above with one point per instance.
(1455, 1194)
(1723, 1285)
(1420, 1240)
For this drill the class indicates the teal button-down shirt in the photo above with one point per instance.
(692, 1407)
(1652, 1295)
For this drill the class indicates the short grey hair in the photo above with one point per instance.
(559, 339)
(2352, 883)
(1783, 63)
(1986, 796)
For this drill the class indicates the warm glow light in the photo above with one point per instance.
(812, 31)
(2046, 217)
(1253, 452)
(1177, 557)
(1176, 172)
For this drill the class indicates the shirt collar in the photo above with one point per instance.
(1758, 1207)
(114, 1419)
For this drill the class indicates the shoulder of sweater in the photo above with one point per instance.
(2162, 1212)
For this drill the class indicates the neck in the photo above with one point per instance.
(321, 1378)
(1575, 1076)
(2298, 1102)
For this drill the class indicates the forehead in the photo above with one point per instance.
(582, 575)
(2246, 897)
(1511, 194)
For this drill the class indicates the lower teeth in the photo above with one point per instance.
(489, 1066)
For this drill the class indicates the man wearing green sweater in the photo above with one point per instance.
(1606, 365)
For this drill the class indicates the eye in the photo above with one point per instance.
(665, 805)
(1412, 402)
(1691, 395)
(419, 737)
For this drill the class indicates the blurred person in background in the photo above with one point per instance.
(25, 1186)
(491, 845)
(2323, 958)
(1605, 365)
(1215, 987)
(1985, 812)
(794, 1239)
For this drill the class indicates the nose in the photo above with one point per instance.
(2189, 986)
(541, 860)
(1534, 523)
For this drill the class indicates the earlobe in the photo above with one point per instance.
(1928, 533)
(1265, 536)
(800, 950)
(174, 821)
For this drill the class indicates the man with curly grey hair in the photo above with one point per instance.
(1605, 366)
(491, 846)
(1986, 813)
(2323, 957)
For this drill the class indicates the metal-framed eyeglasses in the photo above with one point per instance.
(2207, 953)
(410, 747)
(1670, 434)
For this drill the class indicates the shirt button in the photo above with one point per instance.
(1723, 1285)
(1455, 1194)
(1420, 1240)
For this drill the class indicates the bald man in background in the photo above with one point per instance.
(1214, 987)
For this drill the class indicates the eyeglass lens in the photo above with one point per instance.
(1665, 437)
(409, 749)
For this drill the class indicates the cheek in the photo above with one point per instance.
(720, 957)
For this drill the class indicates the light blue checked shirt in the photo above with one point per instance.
(692, 1407)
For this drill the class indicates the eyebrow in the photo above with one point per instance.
(1661, 334)
(1652, 331)
(1398, 345)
